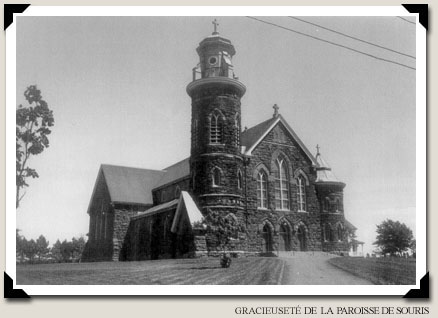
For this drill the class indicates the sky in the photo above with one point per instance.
(116, 86)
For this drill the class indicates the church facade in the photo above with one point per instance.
(264, 178)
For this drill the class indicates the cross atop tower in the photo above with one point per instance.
(276, 108)
(215, 23)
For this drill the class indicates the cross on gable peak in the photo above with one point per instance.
(276, 108)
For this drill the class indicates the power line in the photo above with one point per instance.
(406, 20)
(332, 43)
(352, 37)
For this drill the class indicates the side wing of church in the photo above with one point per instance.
(264, 178)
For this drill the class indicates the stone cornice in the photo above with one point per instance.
(215, 81)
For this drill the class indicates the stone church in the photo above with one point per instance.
(264, 178)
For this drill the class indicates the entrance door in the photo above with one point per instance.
(267, 238)
(285, 244)
(301, 234)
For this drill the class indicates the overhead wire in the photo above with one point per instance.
(406, 20)
(352, 37)
(332, 43)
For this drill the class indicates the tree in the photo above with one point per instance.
(224, 229)
(56, 251)
(32, 128)
(393, 237)
(413, 248)
(42, 247)
(20, 245)
(78, 246)
(66, 251)
(30, 249)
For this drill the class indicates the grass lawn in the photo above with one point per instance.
(381, 271)
(207, 271)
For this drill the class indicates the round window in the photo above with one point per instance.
(212, 60)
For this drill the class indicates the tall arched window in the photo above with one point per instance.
(281, 186)
(301, 193)
(239, 179)
(215, 129)
(262, 190)
(216, 177)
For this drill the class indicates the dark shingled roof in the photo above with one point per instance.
(176, 171)
(130, 185)
(250, 136)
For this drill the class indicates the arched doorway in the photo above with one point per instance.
(302, 237)
(285, 238)
(267, 239)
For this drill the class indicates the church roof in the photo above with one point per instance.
(253, 136)
(130, 185)
(175, 172)
(250, 136)
(324, 173)
(349, 225)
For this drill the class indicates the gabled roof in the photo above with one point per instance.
(175, 172)
(250, 136)
(157, 209)
(130, 185)
(193, 213)
(255, 135)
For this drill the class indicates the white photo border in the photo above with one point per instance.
(308, 290)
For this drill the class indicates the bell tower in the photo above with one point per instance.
(216, 163)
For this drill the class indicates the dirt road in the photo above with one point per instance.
(307, 268)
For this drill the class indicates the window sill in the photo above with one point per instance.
(263, 209)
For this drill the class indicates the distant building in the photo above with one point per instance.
(263, 177)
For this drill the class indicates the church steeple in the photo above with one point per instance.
(216, 159)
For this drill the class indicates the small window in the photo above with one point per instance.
(340, 233)
(326, 205)
(216, 177)
(177, 192)
(212, 60)
(239, 179)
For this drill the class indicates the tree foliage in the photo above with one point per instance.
(32, 128)
(31, 251)
(224, 228)
(393, 237)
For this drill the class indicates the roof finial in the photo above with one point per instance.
(276, 108)
(317, 150)
(215, 23)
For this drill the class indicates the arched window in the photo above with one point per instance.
(281, 185)
(301, 193)
(177, 192)
(239, 179)
(215, 128)
(327, 230)
(262, 190)
(326, 205)
(216, 177)
(340, 233)
(338, 206)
